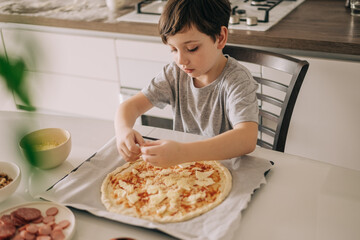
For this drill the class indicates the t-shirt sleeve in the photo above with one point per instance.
(160, 90)
(242, 101)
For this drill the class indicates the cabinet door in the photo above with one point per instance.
(57, 53)
(73, 95)
(140, 61)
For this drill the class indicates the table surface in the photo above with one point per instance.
(303, 198)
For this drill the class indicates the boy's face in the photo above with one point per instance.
(196, 53)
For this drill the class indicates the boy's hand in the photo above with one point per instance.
(128, 142)
(163, 153)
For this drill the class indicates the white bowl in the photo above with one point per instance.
(46, 148)
(13, 171)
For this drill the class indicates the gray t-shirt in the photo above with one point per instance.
(209, 110)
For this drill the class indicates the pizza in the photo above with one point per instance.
(166, 195)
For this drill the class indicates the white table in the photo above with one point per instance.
(303, 199)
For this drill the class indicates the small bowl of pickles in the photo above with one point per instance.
(46, 148)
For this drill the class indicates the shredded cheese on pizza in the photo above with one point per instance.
(166, 195)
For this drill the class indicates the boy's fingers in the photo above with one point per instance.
(149, 149)
(132, 147)
(124, 150)
(139, 139)
(151, 143)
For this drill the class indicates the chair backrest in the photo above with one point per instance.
(280, 78)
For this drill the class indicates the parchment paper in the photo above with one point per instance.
(81, 189)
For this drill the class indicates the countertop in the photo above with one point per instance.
(316, 25)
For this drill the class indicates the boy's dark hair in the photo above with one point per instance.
(208, 16)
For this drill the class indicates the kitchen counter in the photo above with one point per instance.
(316, 25)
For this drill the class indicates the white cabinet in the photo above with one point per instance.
(138, 63)
(68, 74)
(74, 95)
(84, 56)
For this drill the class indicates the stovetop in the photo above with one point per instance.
(267, 13)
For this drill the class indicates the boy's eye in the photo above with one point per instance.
(193, 49)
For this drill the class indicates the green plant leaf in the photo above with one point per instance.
(14, 74)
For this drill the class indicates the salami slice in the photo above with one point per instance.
(6, 219)
(7, 231)
(18, 222)
(38, 220)
(28, 214)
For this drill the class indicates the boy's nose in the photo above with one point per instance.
(182, 59)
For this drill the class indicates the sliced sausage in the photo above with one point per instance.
(43, 238)
(48, 219)
(26, 235)
(63, 224)
(32, 228)
(52, 211)
(57, 235)
(45, 230)
(22, 227)
(17, 237)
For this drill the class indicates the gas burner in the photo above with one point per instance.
(257, 8)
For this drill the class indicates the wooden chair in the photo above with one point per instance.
(280, 78)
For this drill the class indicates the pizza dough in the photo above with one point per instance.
(166, 195)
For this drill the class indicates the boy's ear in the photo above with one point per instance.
(222, 38)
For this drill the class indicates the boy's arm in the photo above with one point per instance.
(125, 118)
(236, 142)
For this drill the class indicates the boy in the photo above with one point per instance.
(210, 94)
